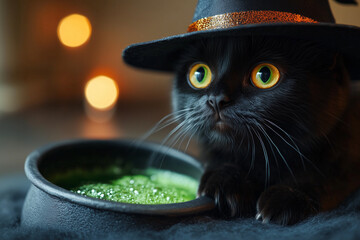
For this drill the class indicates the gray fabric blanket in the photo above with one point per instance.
(342, 223)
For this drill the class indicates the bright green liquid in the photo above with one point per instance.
(154, 187)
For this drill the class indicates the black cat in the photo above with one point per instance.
(278, 124)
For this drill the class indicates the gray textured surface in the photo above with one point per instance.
(342, 223)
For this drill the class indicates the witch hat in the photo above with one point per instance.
(302, 19)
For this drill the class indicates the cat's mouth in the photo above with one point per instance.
(219, 133)
(221, 126)
(220, 123)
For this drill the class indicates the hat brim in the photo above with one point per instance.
(161, 54)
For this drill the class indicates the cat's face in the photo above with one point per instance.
(231, 92)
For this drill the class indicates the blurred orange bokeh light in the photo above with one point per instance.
(74, 30)
(101, 92)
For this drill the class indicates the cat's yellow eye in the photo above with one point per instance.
(265, 75)
(199, 76)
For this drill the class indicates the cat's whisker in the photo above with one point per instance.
(331, 144)
(336, 118)
(182, 137)
(246, 134)
(266, 157)
(162, 144)
(253, 150)
(172, 132)
(179, 131)
(177, 134)
(243, 134)
(270, 144)
(293, 115)
(189, 140)
(281, 155)
(181, 134)
(189, 128)
(295, 147)
(165, 122)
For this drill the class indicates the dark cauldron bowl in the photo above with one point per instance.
(50, 206)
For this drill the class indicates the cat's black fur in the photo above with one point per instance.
(280, 154)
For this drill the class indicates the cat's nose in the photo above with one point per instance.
(218, 102)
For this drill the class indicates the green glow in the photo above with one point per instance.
(205, 74)
(151, 187)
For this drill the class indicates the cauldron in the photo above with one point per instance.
(50, 206)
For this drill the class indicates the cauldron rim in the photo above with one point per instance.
(196, 206)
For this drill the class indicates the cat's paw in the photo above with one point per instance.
(285, 206)
(233, 196)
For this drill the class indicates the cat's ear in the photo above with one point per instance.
(347, 1)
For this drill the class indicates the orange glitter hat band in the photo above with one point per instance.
(234, 19)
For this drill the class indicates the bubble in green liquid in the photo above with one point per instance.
(153, 187)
